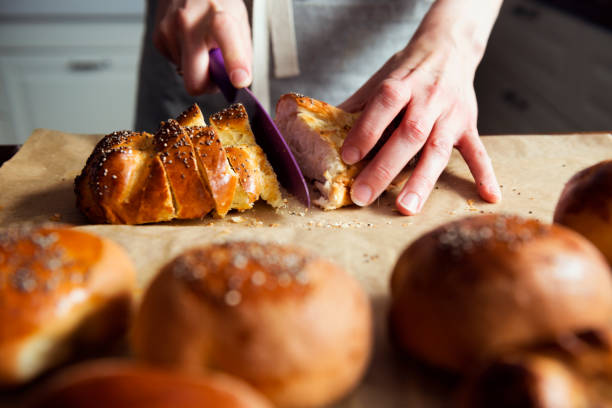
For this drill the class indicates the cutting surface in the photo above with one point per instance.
(37, 185)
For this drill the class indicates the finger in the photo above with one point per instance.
(194, 51)
(391, 96)
(477, 159)
(433, 161)
(226, 32)
(165, 39)
(403, 144)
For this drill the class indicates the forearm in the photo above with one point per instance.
(464, 24)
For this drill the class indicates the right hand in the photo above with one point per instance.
(186, 30)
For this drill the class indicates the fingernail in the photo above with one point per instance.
(493, 191)
(350, 155)
(361, 194)
(410, 202)
(239, 78)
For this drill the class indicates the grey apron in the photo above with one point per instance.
(340, 44)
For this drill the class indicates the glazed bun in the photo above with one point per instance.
(585, 206)
(574, 370)
(62, 292)
(294, 326)
(480, 285)
(123, 384)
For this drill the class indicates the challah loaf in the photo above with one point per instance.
(62, 292)
(184, 171)
(294, 326)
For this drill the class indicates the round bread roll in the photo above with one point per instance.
(524, 381)
(585, 206)
(62, 292)
(574, 370)
(294, 326)
(474, 287)
(114, 383)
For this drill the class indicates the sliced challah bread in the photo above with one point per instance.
(183, 171)
(315, 132)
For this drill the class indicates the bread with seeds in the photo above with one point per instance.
(478, 286)
(186, 170)
(294, 326)
(63, 293)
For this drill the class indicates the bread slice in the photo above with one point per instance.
(191, 197)
(192, 117)
(255, 175)
(315, 132)
(214, 167)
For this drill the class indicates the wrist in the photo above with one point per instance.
(459, 26)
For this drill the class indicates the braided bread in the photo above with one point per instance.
(186, 170)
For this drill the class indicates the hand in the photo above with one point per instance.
(431, 79)
(185, 31)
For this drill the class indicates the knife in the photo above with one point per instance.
(266, 133)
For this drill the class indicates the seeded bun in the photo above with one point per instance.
(585, 206)
(62, 292)
(574, 370)
(123, 384)
(294, 326)
(480, 285)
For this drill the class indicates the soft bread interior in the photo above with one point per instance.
(315, 132)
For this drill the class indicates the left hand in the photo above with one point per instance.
(432, 80)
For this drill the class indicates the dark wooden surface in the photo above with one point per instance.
(595, 11)
(7, 151)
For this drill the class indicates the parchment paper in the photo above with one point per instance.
(37, 185)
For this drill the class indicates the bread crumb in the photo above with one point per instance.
(237, 219)
(55, 217)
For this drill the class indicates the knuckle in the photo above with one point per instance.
(422, 182)
(181, 19)
(220, 21)
(412, 132)
(390, 93)
(382, 175)
(440, 147)
(366, 135)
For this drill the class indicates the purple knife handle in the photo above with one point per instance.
(219, 75)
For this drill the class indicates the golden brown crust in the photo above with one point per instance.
(232, 125)
(315, 132)
(246, 171)
(214, 166)
(156, 203)
(191, 197)
(183, 171)
(574, 370)
(585, 205)
(104, 186)
(192, 117)
(58, 286)
(115, 383)
(294, 326)
(474, 287)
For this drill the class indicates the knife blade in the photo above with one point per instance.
(266, 133)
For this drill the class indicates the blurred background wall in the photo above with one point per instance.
(548, 68)
(72, 65)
